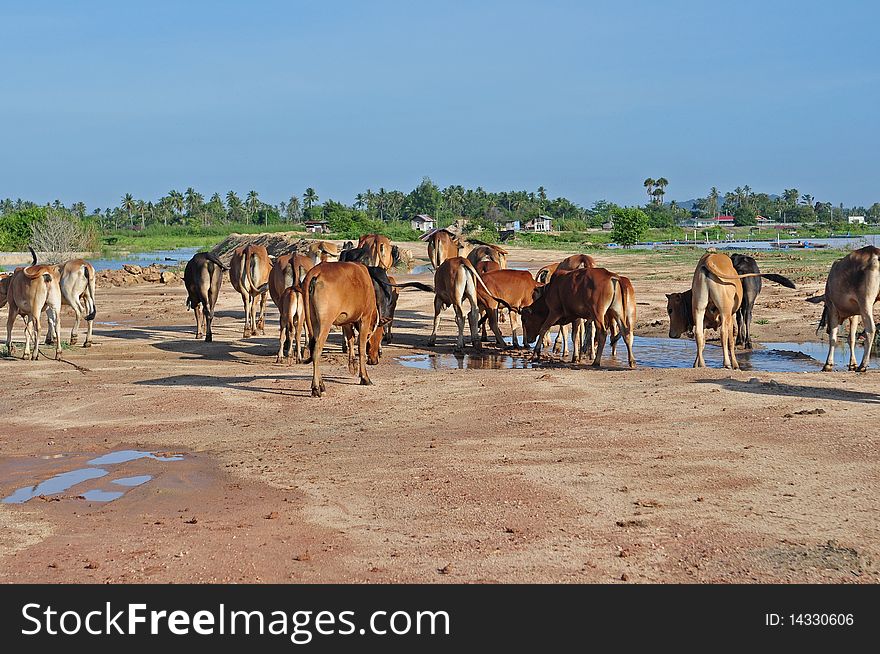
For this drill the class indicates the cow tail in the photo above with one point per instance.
(33, 255)
(251, 275)
(307, 313)
(823, 321)
(90, 292)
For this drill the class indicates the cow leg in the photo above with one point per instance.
(852, 332)
(51, 331)
(868, 322)
(731, 342)
(317, 348)
(493, 323)
(700, 303)
(459, 323)
(348, 337)
(514, 328)
(35, 326)
(833, 329)
(10, 323)
(197, 311)
(262, 324)
(208, 312)
(628, 334)
(247, 315)
(56, 312)
(297, 333)
(363, 338)
(78, 313)
(549, 321)
(473, 317)
(577, 328)
(438, 308)
(282, 329)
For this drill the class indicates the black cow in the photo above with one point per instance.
(202, 278)
(387, 295)
(356, 255)
(745, 265)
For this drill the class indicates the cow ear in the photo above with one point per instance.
(668, 296)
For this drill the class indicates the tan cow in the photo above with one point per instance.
(851, 290)
(544, 275)
(516, 288)
(29, 291)
(322, 252)
(443, 245)
(488, 252)
(455, 281)
(380, 250)
(249, 272)
(288, 272)
(77, 292)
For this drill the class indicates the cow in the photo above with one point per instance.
(576, 261)
(481, 251)
(544, 275)
(289, 270)
(322, 252)
(487, 265)
(591, 294)
(249, 273)
(380, 249)
(716, 281)
(745, 264)
(78, 292)
(455, 281)
(680, 309)
(202, 279)
(516, 288)
(443, 245)
(29, 291)
(851, 290)
(344, 294)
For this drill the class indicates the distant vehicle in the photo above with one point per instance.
(612, 245)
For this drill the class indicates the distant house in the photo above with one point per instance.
(540, 224)
(724, 221)
(856, 220)
(422, 223)
(763, 221)
(608, 226)
(317, 226)
(509, 226)
(695, 222)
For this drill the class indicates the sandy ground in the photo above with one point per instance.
(555, 474)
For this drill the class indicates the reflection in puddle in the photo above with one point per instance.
(55, 485)
(66, 480)
(650, 352)
(123, 456)
(133, 481)
(97, 495)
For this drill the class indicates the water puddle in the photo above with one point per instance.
(124, 456)
(428, 268)
(133, 481)
(55, 485)
(66, 480)
(649, 352)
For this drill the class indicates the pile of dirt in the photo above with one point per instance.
(276, 243)
(134, 274)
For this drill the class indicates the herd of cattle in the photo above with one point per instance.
(323, 286)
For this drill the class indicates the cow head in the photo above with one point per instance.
(533, 316)
(678, 308)
(4, 288)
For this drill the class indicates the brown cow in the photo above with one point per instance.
(680, 308)
(516, 288)
(544, 275)
(576, 261)
(594, 294)
(487, 265)
(249, 273)
(322, 252)
(455, 281)
(380, 250)
(341, 293)
(851, 290)
(28, 292)
(289, 270)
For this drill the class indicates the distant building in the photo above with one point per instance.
(695, 222)
(856, 220)
(508, 225)
(763, 221)
(540, 224)
(608, 226)
(317, 226)
(422, 223)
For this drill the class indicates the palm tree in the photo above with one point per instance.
(661, 184)
(252, 202)
(309, 198)
(293, 212)
(233, 204)
(79, 208)
(790, 195)
(542, 196)
(142, 210)
(807, 199)
(657, 194)
(713, 201)
(359, 201)
(649, 187)
(128, 205)
(175, 201)
(193, 201)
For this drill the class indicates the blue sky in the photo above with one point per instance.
(584, 98)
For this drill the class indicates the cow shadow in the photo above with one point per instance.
(266, 384)
(793, 390)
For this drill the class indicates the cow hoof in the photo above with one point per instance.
(74, 340)
(279, 359)
(209, 338)
(316, 392)
(827, 368)
(366, 382)
(87, 344)
(861, 369)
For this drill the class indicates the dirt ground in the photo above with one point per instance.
(551, 474)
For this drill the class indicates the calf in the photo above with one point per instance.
(249, 273)
(485, 251)
(851, 290)
(202, 279)
(516, 288)
(288, 272)
(593, 294)
(379, 249)
(28, 292)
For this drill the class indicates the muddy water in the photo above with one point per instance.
(64, 481)
(649, 353)
(428, 268)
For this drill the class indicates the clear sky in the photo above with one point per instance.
(585, 98)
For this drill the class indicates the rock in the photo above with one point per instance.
(167, 277)
(132, 269)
